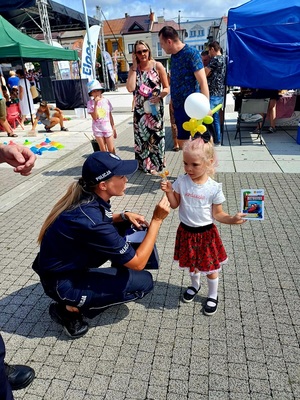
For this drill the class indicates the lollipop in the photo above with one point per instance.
(164, 174)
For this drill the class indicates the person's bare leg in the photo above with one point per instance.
(6, 126)
(174, 137)
(272, 113)
(101, 142)
(181, 143)
(110, 144)
(53, 121)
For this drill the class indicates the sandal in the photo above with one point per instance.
(210, 310)
(175, 148)
(48, 130)
(64, 129)
(187, 297)
(12, 135)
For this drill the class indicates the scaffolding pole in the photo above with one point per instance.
(42, 7)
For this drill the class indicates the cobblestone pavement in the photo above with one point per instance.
(160, 348)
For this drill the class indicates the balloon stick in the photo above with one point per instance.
(217, 108)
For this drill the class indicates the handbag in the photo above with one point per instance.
(135, 238)
(144, 90)
(34, 92)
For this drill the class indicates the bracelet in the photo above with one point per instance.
(123, 216)
(134, 70)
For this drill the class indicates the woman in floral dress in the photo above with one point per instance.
(148, 80)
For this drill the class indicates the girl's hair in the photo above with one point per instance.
(77, 193)
(46, 111)
(142, 42)
(205, 152)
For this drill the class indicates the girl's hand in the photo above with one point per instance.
(155, 99)
(166, 186)
(238, 218)
(115, 133)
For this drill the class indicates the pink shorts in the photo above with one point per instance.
(103, 134)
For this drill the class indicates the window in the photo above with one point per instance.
(201, 32)
(130, 48)
(192, 33)
(115, 46)
(159, 50)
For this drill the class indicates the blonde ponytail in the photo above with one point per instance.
(72, 197)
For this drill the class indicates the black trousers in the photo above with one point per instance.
(5, 389)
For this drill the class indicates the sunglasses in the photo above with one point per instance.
(140, 52)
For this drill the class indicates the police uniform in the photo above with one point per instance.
(74, 246)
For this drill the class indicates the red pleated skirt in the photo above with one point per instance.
(199, 249)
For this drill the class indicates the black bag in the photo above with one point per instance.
(135, 237)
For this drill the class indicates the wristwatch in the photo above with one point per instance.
(123, 216)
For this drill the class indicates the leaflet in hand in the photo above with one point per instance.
(252, 204)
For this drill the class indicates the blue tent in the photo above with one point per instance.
(264, 45)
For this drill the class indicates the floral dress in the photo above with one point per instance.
(149, 134)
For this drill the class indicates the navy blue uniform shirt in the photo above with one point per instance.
(83, 238)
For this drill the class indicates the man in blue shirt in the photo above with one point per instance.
(81, 233)
(187, 76)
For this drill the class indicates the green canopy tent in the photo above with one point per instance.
(15, 45)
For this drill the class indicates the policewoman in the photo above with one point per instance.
(81, 233)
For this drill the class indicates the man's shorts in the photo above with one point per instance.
(3, 109)
(181, 117)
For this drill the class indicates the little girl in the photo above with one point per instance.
(198, 245)
(100, 109)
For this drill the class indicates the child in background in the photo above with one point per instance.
(49, 120)
(100, 109)
(198, 245)
(14, 95)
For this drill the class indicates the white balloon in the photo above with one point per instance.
(196, 105)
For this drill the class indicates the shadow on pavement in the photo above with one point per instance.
(25, 311)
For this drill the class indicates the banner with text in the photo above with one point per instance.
(109, 64)
(88, 60)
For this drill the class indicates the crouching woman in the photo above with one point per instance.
(81, 233)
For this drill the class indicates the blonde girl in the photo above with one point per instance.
(198, 245)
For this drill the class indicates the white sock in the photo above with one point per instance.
(195, 278)
(212, 290)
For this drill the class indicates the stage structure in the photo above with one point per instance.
(42, 7)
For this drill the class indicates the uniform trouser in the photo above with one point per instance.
(5, 389)
(98, 288)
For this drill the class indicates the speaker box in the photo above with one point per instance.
(47, 91)
(47, 69)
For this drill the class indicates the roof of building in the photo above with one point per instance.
(113, 26)
(157, 26)
(137, 24)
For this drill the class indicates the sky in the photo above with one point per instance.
(190, 10)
